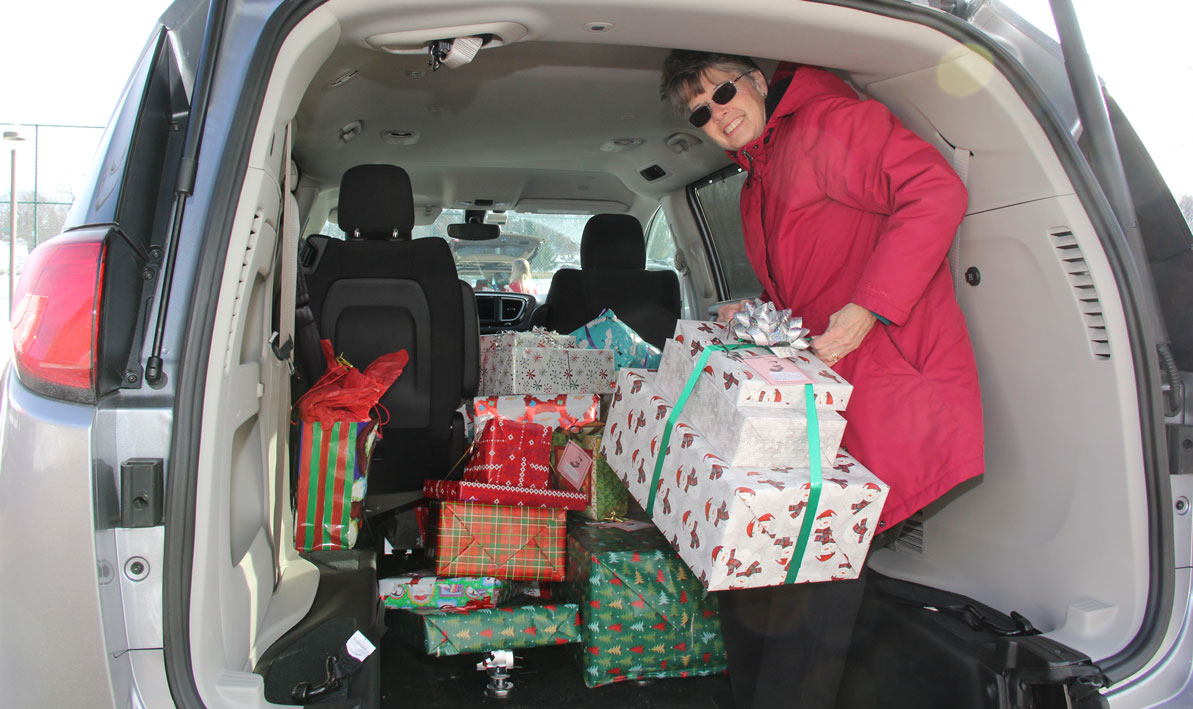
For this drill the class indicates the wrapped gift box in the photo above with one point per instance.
(559, 411)
(465, 491)
(744, 383)
(511, 453)
(452, 632)
(643, 613)
(738, 527)
(538, 363)
(750, 435)
(577, 465)
(520, 543)
(607, 332)
(425, 590)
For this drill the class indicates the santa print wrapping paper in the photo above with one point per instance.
(514, 453)
(464, 491)
(425, 590)
(742, 383)
(642, 612)
(518, 543)
(737, 527)
(744, 435)
(539, 363)
(604, 493)
(452, 632)
(559, 411)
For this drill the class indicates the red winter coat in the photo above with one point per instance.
(844, 205)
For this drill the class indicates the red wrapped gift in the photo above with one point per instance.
(465, 491)
(511, 453)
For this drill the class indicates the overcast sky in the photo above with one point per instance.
(74, 74)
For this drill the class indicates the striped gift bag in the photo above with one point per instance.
(332, 461)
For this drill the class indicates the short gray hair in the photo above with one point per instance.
(683, 69)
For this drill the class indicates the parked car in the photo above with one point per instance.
(144, 459)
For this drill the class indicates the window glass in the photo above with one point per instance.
(548, 242)
(717, 199)
(660, 246)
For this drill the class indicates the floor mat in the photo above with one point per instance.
(546, 677)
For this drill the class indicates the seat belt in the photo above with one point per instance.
(961, 157)
(282, 342)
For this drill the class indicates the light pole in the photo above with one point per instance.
(14, 137)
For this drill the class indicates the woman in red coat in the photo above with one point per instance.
(847, 218)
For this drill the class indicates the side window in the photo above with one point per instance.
(716, 199)
(660, 246)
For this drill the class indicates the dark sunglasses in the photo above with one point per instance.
(722, 95)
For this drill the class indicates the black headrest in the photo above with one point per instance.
(613, 241)
(375, 200)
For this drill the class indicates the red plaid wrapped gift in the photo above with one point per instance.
(513, 453)
(519, 543)
(465, 491)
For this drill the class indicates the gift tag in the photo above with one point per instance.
(776, 370)
(574, 465)
(359, 646)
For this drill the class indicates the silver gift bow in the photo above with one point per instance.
(763, 325)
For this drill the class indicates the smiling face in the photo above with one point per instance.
(737, 123)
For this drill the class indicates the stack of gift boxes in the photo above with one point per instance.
(734, 451)
(501, 536)
(730, 451)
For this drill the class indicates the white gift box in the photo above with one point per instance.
(745, 435)
(744, 384)
(542, 363)
(737, 527)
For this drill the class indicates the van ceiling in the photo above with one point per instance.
(545, 117)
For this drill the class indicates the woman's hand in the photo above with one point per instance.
(726, 312)
(846, 329)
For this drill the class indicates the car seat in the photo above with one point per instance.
(613, 274)
(379, 291)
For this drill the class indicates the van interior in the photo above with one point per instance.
(558, 113)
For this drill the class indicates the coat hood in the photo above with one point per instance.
(798, 89)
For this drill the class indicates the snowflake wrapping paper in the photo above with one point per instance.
(737, 527)
(540, 363)
(744, 385)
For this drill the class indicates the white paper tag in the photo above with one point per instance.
(359, 646)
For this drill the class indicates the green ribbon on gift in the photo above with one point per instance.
(805, 531)
(814, 454)
(679, 404)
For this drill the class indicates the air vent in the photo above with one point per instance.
(511, 309)
(1073, 261)
(911, 536)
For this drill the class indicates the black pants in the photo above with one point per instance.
(787, 645)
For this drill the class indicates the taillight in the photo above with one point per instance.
(55, 317)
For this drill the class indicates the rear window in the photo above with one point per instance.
(548, 242)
